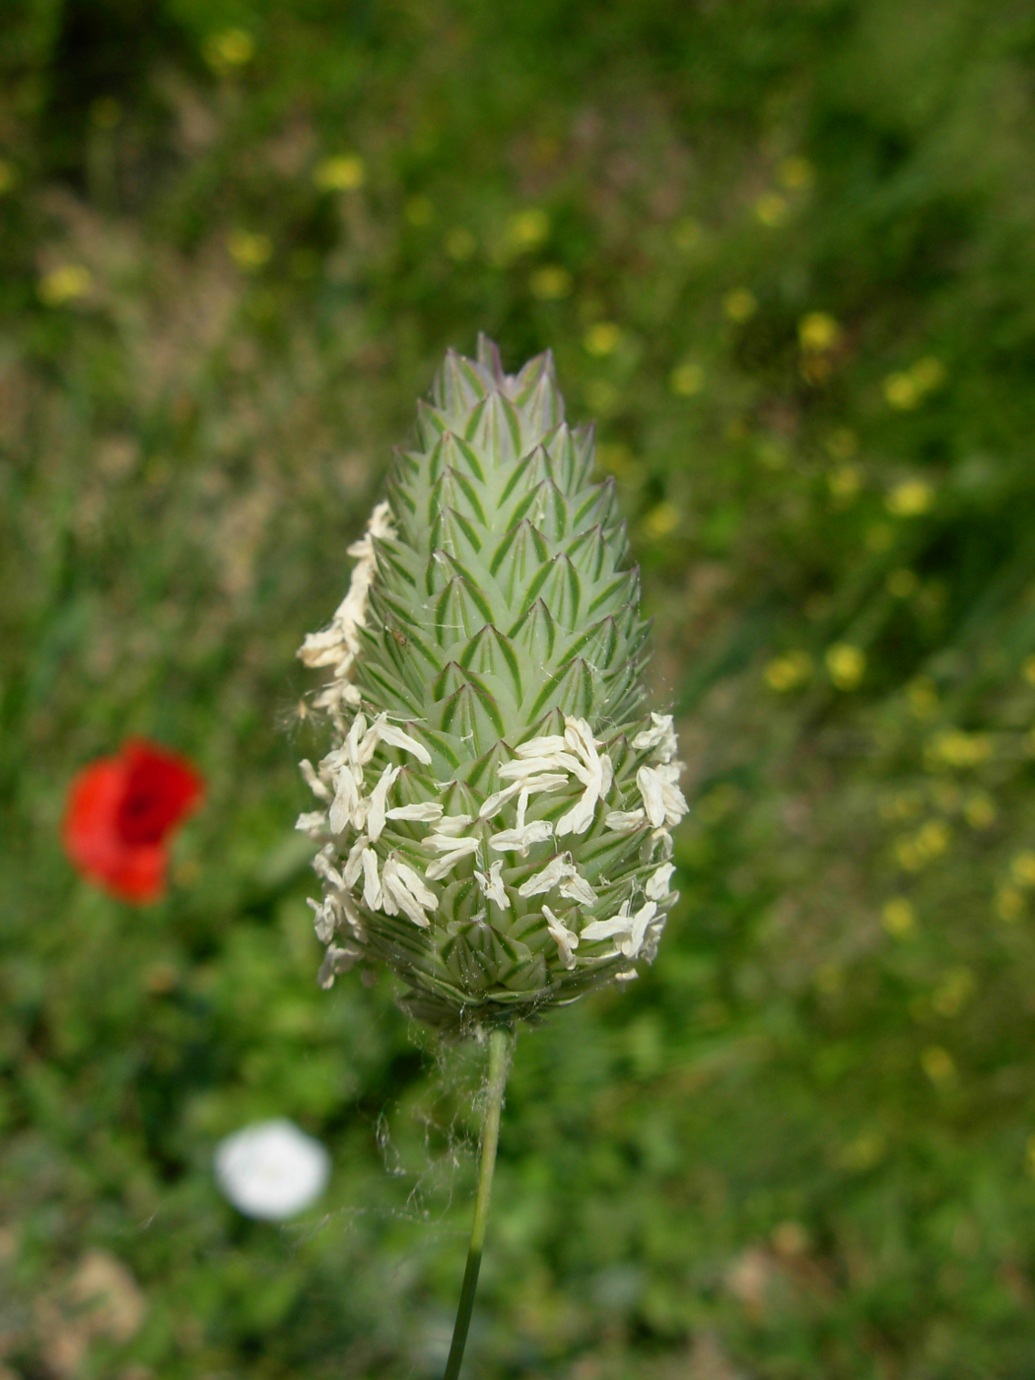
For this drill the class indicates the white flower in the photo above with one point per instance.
(271, 1170)
(619, 924)
(494, 803)
(580, 816)
(576, 888)
(627, 930)
(354, 862)
(371, 882)
(555, 871)
(361, 743)
(621, 821)
(403, 889)
(453, 825)
(547, 781)
(593, 769)
(338, 643)
(325, 869)
(325, 918)
(312, 822)
(452, 850)
(335, 961)
(638, 929)
(661, 736)
(427, 813)
(492, 885)
(397, 737)
(541, 747)
(596, 767)
(379, 801)
(658, 887)
(565, 939)
(348, 805)
(662, 798)
(562, 873)
(519, 840)
(318, 787)
(522, 768)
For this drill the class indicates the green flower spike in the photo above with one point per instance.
(494, 816)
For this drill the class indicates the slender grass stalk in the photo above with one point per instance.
(501, 1044)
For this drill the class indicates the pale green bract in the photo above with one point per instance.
(494, 816)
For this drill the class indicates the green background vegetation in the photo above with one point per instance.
(784, 254)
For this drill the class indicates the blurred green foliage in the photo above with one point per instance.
(784, 255)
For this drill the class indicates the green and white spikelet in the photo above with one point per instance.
(494, 816)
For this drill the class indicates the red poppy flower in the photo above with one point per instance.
(121, 812)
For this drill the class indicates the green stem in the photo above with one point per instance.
(501, 1043)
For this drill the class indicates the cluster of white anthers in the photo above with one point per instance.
(360, 874)
(337, 645)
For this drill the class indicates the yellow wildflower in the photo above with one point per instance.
(867, 1149)
(772, 209)
(796, 173)
(818, 331)
(928, 374)
(1009, 904)
(229, 48)
(661, 520)
(1029, 1157)
(527, 229)
(740, 305)
(898, 917)
(844, 483)
(938, 1064)
(550, 283)
(602, 339)
(911, 498)
(248, 250)
(789, 671)
(954, 748)
(1022, 868)
(845, 664)
(933, 838)
(66, 283)
(908, 855)
(979, 810)
(901, 392)
(1028, 670)
(686, 379)
(345, 172)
